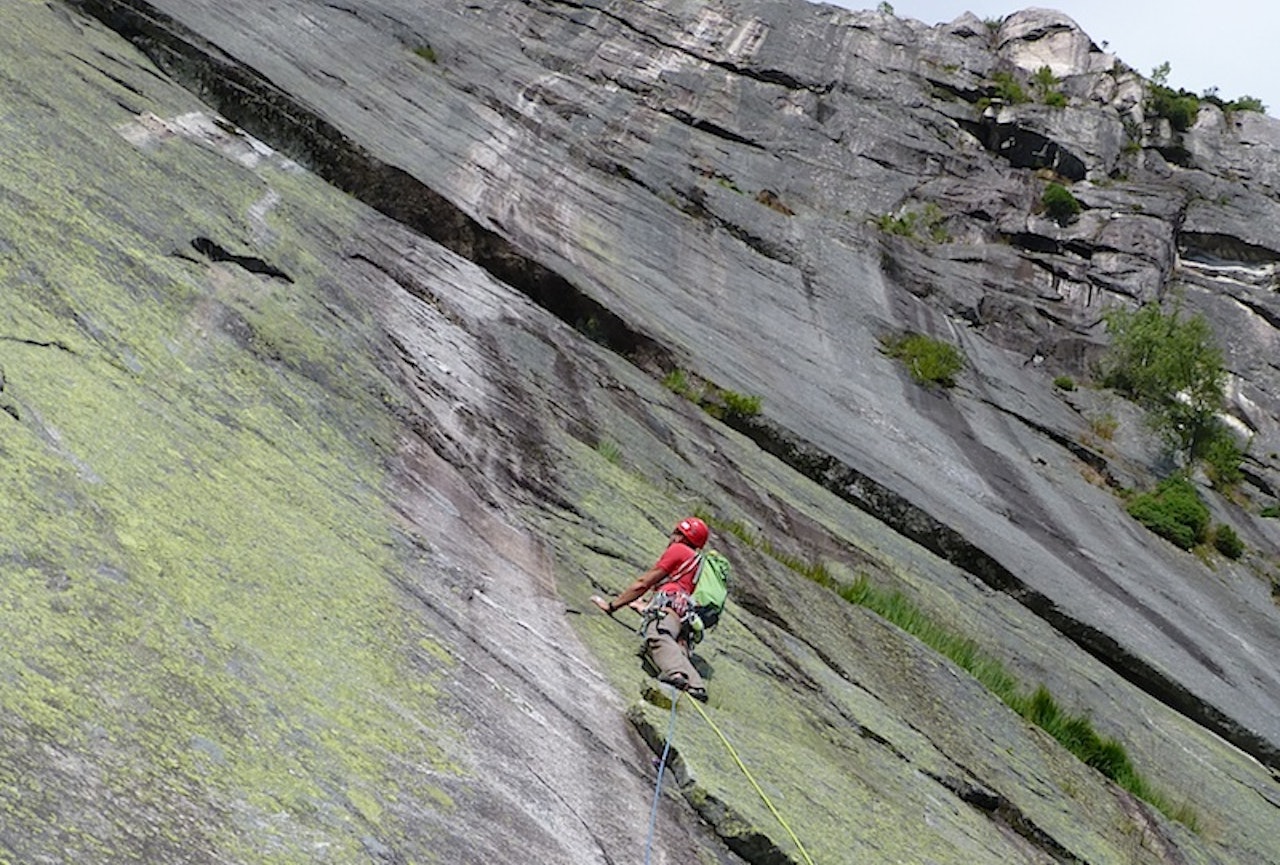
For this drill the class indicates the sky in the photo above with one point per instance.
(1228, 44)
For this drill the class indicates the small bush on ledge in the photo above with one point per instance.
(1059, 203)
(930, 221)
(1227, 542)
(1046, 86)
(1008, 89)
(1174, 511)
(931, 361)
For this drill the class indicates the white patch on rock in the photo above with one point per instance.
(749, 39)
(1034, 38)
(217, 134)
(262, 232)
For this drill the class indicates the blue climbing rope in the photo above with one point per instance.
(657, 791)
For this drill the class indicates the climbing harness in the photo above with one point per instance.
(678, 602)
(657, 791)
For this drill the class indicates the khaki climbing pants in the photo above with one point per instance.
(669, 653)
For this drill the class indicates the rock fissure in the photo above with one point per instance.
(895, 511)
(1086, 455)
(697, 207)
(38, 343)
(268, 113)
(215, 252)
(433, 353)
(997, 807)
(1225, 248)
(711, 128)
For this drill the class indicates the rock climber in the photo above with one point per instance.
(666, 629)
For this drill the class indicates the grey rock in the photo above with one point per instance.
(550, 210)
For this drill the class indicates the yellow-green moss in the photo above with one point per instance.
(196, 545)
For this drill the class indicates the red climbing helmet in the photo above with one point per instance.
(694, 531)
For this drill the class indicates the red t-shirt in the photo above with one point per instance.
(676, 559)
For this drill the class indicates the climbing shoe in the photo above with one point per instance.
(676, 680)
(699, 694)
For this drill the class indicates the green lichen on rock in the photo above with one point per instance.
(195, 595)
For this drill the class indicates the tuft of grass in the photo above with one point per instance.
(610, 451)
(427, 53)
(930, 361)
(1074, 732)
(929, 221)
(679, 383)
(720, 403)
(1104, 426)
(740, 405)
(1064, 382)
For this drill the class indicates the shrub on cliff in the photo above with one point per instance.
(1059, 203)
(931, 361)
(1179, 107)
(1174, 511)
(1227, 542)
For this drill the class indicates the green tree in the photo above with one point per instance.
(1173, 368)
(1044, 80)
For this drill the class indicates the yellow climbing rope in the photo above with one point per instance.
(734, 753)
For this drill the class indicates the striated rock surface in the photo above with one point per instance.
(332, 355)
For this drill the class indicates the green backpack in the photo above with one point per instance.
(710, 591)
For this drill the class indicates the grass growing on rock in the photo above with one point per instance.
(1038, 706)
(720, 403)
(931, 361)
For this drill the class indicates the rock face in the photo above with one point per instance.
(333, 367)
